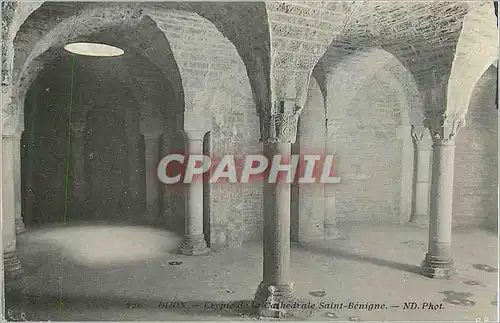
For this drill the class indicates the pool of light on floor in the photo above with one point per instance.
(105, 244)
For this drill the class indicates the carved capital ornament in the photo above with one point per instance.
(443, 129)
(417, 133)
(283, 122)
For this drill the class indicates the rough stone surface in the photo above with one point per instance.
(479, 35)
(360, 269)
(366, 139)
(475, 198)
(354, 78)
(391, 25)
(309, 205)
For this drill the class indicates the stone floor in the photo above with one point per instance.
(127, 273)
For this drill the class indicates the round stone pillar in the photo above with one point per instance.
(438, 262)
(276, 287)
(16, 138)
(423, 147)
(194, 242)
(12, 264)
(152, 146)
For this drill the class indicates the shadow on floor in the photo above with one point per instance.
(318, 249)
(46, 307)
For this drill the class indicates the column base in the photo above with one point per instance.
(193, 245)
(275, 301)
(433, 267)
(152, 212)
(20, 227)
(12, 266)
(420, 221)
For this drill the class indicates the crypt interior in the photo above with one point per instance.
(404, 95)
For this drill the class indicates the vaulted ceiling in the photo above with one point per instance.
(280, 43)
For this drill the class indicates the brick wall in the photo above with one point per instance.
(235, 209)
(368, 146)
(476, 164)
(308, 200)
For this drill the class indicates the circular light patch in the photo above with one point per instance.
(94, 49)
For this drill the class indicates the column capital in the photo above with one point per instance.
(443, 129)
(418, 134)
(152, 135)
(195, 134)
(283, 121)
(151, 125)
(16, 135)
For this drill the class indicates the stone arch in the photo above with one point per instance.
(372, 62)
(174, 20)
(343, 86)
(199, 78)
(72, 23)
(132, 36)
(84, 96)
(13, 16)
(476, 51)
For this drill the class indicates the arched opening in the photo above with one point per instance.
(107, 167)
(118, 95)
(371, 102)
(475, 188)
(95, 169)
(204, 67)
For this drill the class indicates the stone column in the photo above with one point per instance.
(152, 147)
(438, 262)
(330, 226)
(20, 228)
(133, 154)
(77, 164)
(423, 147)
(2, 271)
(12, 264)
(276, 286)
(194, 242)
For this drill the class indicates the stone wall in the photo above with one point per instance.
(476, 163)
(367, 139)
(235, 209)
(308, 200)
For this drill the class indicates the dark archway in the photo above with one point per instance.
(107, 155)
